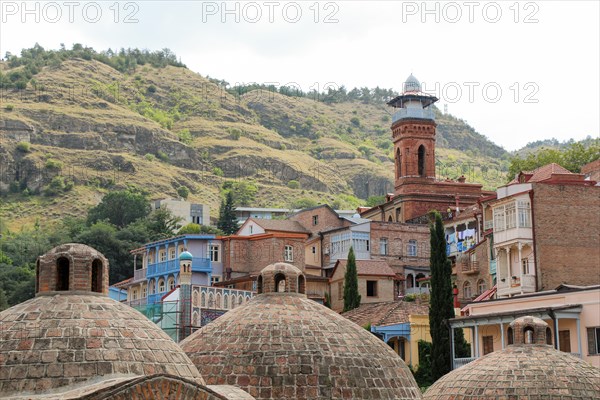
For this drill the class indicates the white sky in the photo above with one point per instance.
(542, 55)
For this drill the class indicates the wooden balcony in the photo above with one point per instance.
(470, 268)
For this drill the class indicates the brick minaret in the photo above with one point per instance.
(417, 191)
(185, 294)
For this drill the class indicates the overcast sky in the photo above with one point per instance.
(516, 71)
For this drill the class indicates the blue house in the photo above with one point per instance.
(156, 266)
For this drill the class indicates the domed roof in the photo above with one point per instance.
(186, 255)
(528, 369)
(71, 333)
(281, 344)
(412, 84)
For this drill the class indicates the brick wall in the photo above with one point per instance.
(467, 271)
(398, 236)
(566, 222)
(327, 219)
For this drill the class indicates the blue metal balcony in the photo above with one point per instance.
(199, 264)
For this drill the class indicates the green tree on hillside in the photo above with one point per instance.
(195, 229)
(120, 208)
(351, 294)
(227, 219)
(441, 304)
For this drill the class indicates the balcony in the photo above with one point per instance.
(404, 113)
(461, 362)
(513, 234)
(487, 225)
(470, 268)
(139, 275)
(513, 286)
(417, 290)
(492, 267)
(172, 266)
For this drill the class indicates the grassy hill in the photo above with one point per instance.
(75, 124)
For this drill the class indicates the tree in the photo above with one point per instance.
(120, 208)
(198, 229)
(441, 306)
(183, 192)
(227, 219)
(351, 295)
(3, 301)
(243, 193)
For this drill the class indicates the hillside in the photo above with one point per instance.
(74, 128)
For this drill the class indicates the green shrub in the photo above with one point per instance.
(185, 136)
(151, 89)
(293, 184)
(53, 164)
(23, 147)
(217, 171)
(150, 157)
(9, 107)
(236, 134)
(58, 185)
(355, 121)
(162, 156)
(183, 192)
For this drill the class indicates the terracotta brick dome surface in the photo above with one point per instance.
(283, 345)
(526, 370)
(61, 339)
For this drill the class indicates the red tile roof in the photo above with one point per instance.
(282, 225)
(386, 313)
(542, 173)
(370, 267)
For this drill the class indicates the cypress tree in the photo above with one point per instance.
(227, 220)
(351, 295)
(440, 306)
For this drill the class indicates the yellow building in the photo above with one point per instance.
(400, 324)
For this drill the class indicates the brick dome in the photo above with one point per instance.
(283, 345)
(528, 369)
(72, 334)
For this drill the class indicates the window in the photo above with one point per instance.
(214, 252)
(524, 214)
(171, 283)
(315, 219)
(340, 290)
(62, 274)
(134, 296)
(511, 216)
(525, 264)
(481, 286)
(593, 336)
(314, 250)
(162, 255)
(172, 253)
(215, 279)
(499, 219)
(288, 254)
(383, 246)
(488, 344)
(161, 286)
(411, 248)
(467, 294)
(564, 341)
(97, 276)
(144, 292)
(421, 160)
(360, 241)
(371, 288)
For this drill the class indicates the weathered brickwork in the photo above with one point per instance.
(326, 219)
(566, 222)
(398, 236)
(283, 345)
(472, 268)
(522, 371)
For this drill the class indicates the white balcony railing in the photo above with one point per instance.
(461, 362)
(139, 275)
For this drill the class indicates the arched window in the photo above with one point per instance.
(211, 300)
(161, 285)
(203, 300)
(62, 273)
(225, 302)
(240, 299)
(218, 303)
(511, 336)
(280, 283)
(421, 160)
(528, 335)
(171, 283)
(195, 319)
(390, 219)
(37, 276)
(548, 336)
(467, 294)
(301, 284)
(97, 276)
(259, 285)
(195, 299)
(410, 281)
(481, 286)
(398, 164)
(247, 299)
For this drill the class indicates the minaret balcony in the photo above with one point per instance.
(409, 113)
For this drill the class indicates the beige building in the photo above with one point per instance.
(375, 282)
(572, 313)
(188, 212)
